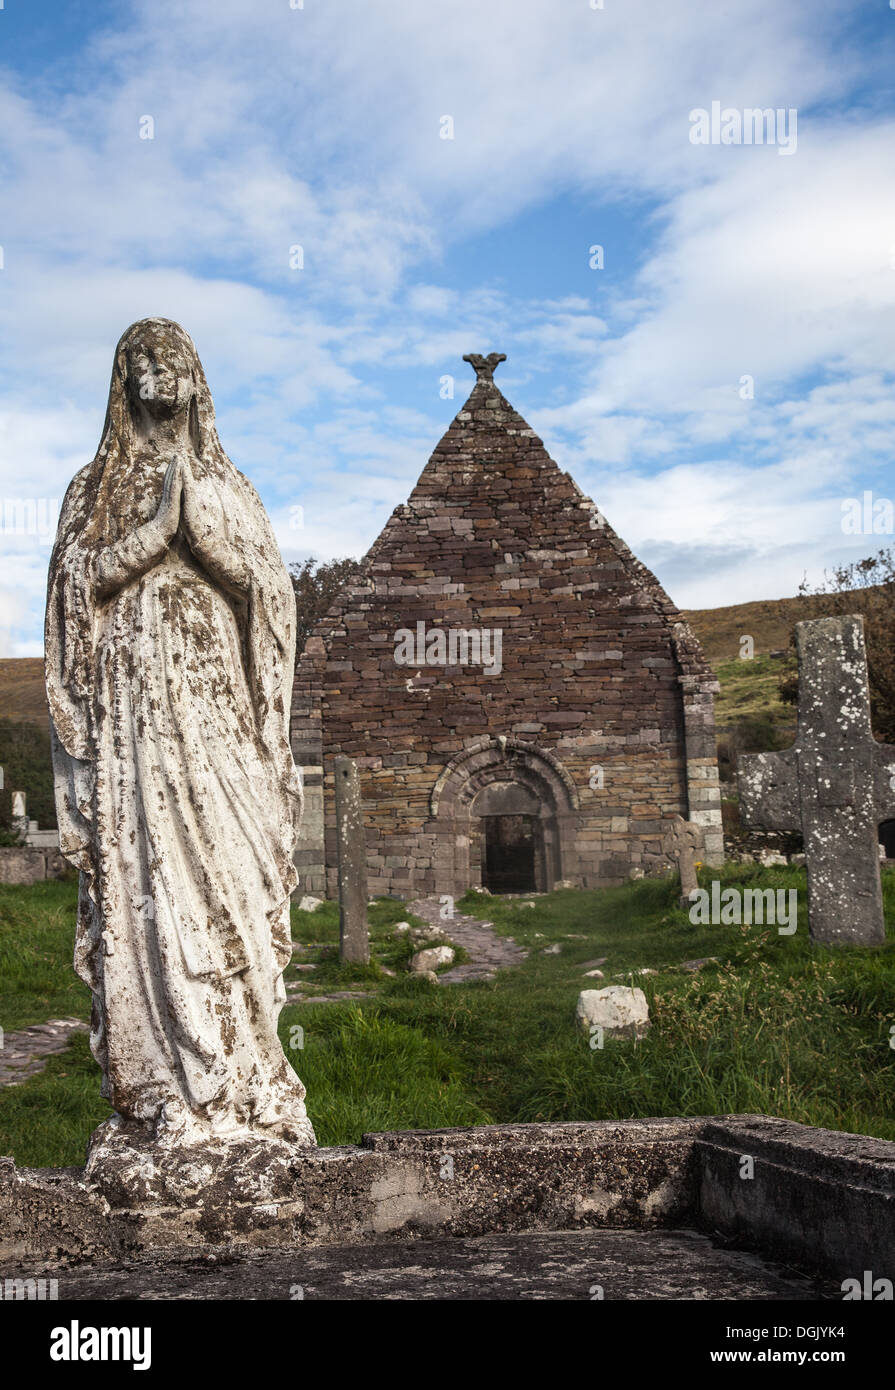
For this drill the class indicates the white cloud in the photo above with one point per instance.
(320, 127)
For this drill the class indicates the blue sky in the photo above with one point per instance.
(321, 127)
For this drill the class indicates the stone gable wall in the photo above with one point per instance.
(597, 673)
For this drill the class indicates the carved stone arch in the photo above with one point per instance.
(502, 776)
(506, 754)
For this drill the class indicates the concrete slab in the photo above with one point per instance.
(798, 1198)
(566, 1265)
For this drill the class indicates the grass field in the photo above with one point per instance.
(777, 1026)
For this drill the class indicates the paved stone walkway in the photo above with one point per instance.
(487, 951)
(343, 996)
(25, 1053)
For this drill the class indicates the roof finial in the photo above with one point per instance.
(484, 366)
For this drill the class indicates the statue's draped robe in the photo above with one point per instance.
(177, 799)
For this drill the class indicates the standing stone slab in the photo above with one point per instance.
(19, 815)
(682, 842)
(602, 708)
(835, 784)
(354, 942)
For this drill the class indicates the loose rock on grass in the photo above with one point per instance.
(620, 1011)
(429, 960)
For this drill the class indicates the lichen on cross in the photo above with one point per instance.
(835, 784)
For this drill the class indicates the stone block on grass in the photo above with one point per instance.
(622, 1012)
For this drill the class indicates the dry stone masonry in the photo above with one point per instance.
(522, 699)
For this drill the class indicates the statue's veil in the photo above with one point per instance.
(108, 499)
(98, 516)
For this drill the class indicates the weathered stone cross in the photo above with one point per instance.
(681, 842)
(835, 784)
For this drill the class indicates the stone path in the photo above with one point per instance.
(487, 951)
(25, 1053)
(344, 996)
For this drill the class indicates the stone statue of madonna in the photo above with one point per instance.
(170, 643)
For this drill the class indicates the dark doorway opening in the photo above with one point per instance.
(509, 865)
(887, 838)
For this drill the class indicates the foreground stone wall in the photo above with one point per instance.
(822, 1201)
(27, 864)
(600, 679)
(816, 1198)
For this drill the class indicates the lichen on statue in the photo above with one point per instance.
(170, 643)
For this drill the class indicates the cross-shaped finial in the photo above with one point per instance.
(484, 366)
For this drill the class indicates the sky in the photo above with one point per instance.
(719, 378)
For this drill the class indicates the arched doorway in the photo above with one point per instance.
(504, 814)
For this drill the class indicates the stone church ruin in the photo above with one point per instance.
(523, 700)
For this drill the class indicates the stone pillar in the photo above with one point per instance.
(309, 856)
(445, 854)
(19, 815)
(698, 689)
(567, 866)
(703, 783)
(353, 937)
(835, 784)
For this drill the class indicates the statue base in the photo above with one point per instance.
(133, 1166)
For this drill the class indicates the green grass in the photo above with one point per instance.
(777, 1026)
(318, 932)
(365, 1070)
(37, 942)
(25, 756)
(47, 1121)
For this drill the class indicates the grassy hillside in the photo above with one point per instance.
(768, 622)
(750, 695)
(25, 740)
(22, 693)
(27, 766)
(749, 713)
